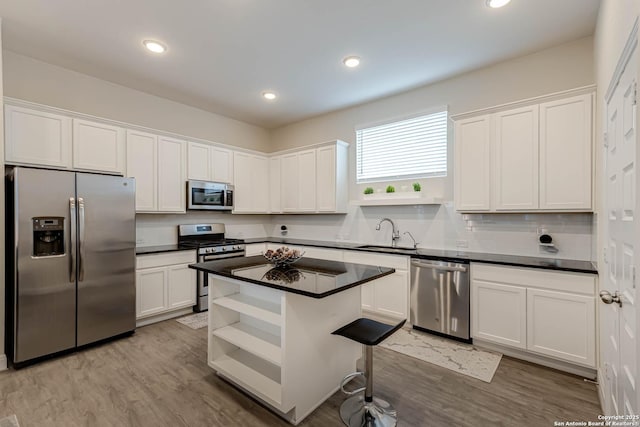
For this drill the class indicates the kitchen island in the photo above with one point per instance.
(270, 328)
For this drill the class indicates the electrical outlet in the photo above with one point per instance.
(462, 243)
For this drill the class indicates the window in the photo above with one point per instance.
(410, 148)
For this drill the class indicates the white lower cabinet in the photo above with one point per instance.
(164, 285)
(543, 312)
(499, 313)
(561, 325)
(254, 249)
(388, 296)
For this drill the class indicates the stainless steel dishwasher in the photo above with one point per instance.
(440, 297)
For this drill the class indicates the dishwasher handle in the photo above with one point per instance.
(421, 264)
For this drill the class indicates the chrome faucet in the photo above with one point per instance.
(415, 244)
(395, 233)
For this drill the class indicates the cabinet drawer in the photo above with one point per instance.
(254, 249)
(322, 253)
(169, 258)
(389, 261)
(579, 283)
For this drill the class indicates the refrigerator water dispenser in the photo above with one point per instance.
(48, 236)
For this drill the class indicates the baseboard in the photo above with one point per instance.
(3, 362)
(582, 371)
(164, 316)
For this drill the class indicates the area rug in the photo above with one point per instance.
(10, 421)
(194, 321)
(463, 358)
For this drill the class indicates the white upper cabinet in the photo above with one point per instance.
(331, 178)
(310, 180)
(565, 153)
(472, 169)
(142, 164)
(98, 147)
(159, 166)
(171, 175)
(532, 158)
(221, 165)
(516, 159)
(210, 163)
(37, 138)
(199, 161)
(251, 183)
(275, 174)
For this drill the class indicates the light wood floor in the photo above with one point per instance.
(159, 377)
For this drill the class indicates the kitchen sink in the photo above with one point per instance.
(386, 248)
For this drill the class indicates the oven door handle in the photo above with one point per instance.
(221, 256)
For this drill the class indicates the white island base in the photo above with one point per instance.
(277, 345)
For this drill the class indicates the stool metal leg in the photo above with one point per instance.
(369, 411)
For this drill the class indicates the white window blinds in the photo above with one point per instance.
(411, 148)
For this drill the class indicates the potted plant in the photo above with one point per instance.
(391, 189)
(417, 187)
(368, 192)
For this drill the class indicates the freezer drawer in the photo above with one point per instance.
(440, 297)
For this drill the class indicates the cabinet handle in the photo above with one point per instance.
(438, 267)
(607, 298)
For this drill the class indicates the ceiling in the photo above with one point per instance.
(223, 53)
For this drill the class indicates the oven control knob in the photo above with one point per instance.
(207, 250)
(224, 249)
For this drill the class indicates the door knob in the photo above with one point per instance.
(607, 298)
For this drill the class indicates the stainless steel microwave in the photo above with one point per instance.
(206, 195)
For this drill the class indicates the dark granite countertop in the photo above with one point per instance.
(145, 250)
(576, 266)
(308, 276)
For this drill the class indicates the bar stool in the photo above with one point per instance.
(365, 410)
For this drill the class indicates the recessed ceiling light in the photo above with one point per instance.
(497, 3)
(154, 46)
(351, 61)
(268, 95)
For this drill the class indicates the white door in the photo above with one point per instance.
(516, 159)
(275, 174)
(181, 286)
(172, 175)
(289, 183)
(307, 181)
(199, 161)
(98, 147)
(242, 182)
(326, 179)
(618, 324)
(142, 164)
(221, 165)
(472, 172)
(151, 291)
(565, 153)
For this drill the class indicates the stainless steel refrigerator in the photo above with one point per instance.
(70, 260)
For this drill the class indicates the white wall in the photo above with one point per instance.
(40, 82)
(559, 68)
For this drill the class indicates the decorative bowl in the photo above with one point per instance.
(282, 256)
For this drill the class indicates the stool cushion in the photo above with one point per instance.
(368, 331)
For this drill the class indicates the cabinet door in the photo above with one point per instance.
(142, 164)
(37, 138)
(326, 179)
(289, 194)
(391, 294)
(565, 153)
(275, 173)
(151, 291)
(221, 165)
(242, 183)
(516, 159)
(561, 325)
(472, 169)
(498, 313)
(172, 164)
(307, 181)
(254, 249)
(181, 286)
(199, 161)
(260, 184)
(367, 292)
(98, 147)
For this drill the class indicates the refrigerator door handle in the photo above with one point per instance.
(80, 239)
(72, 240)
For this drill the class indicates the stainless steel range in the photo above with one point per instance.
(211, 244)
